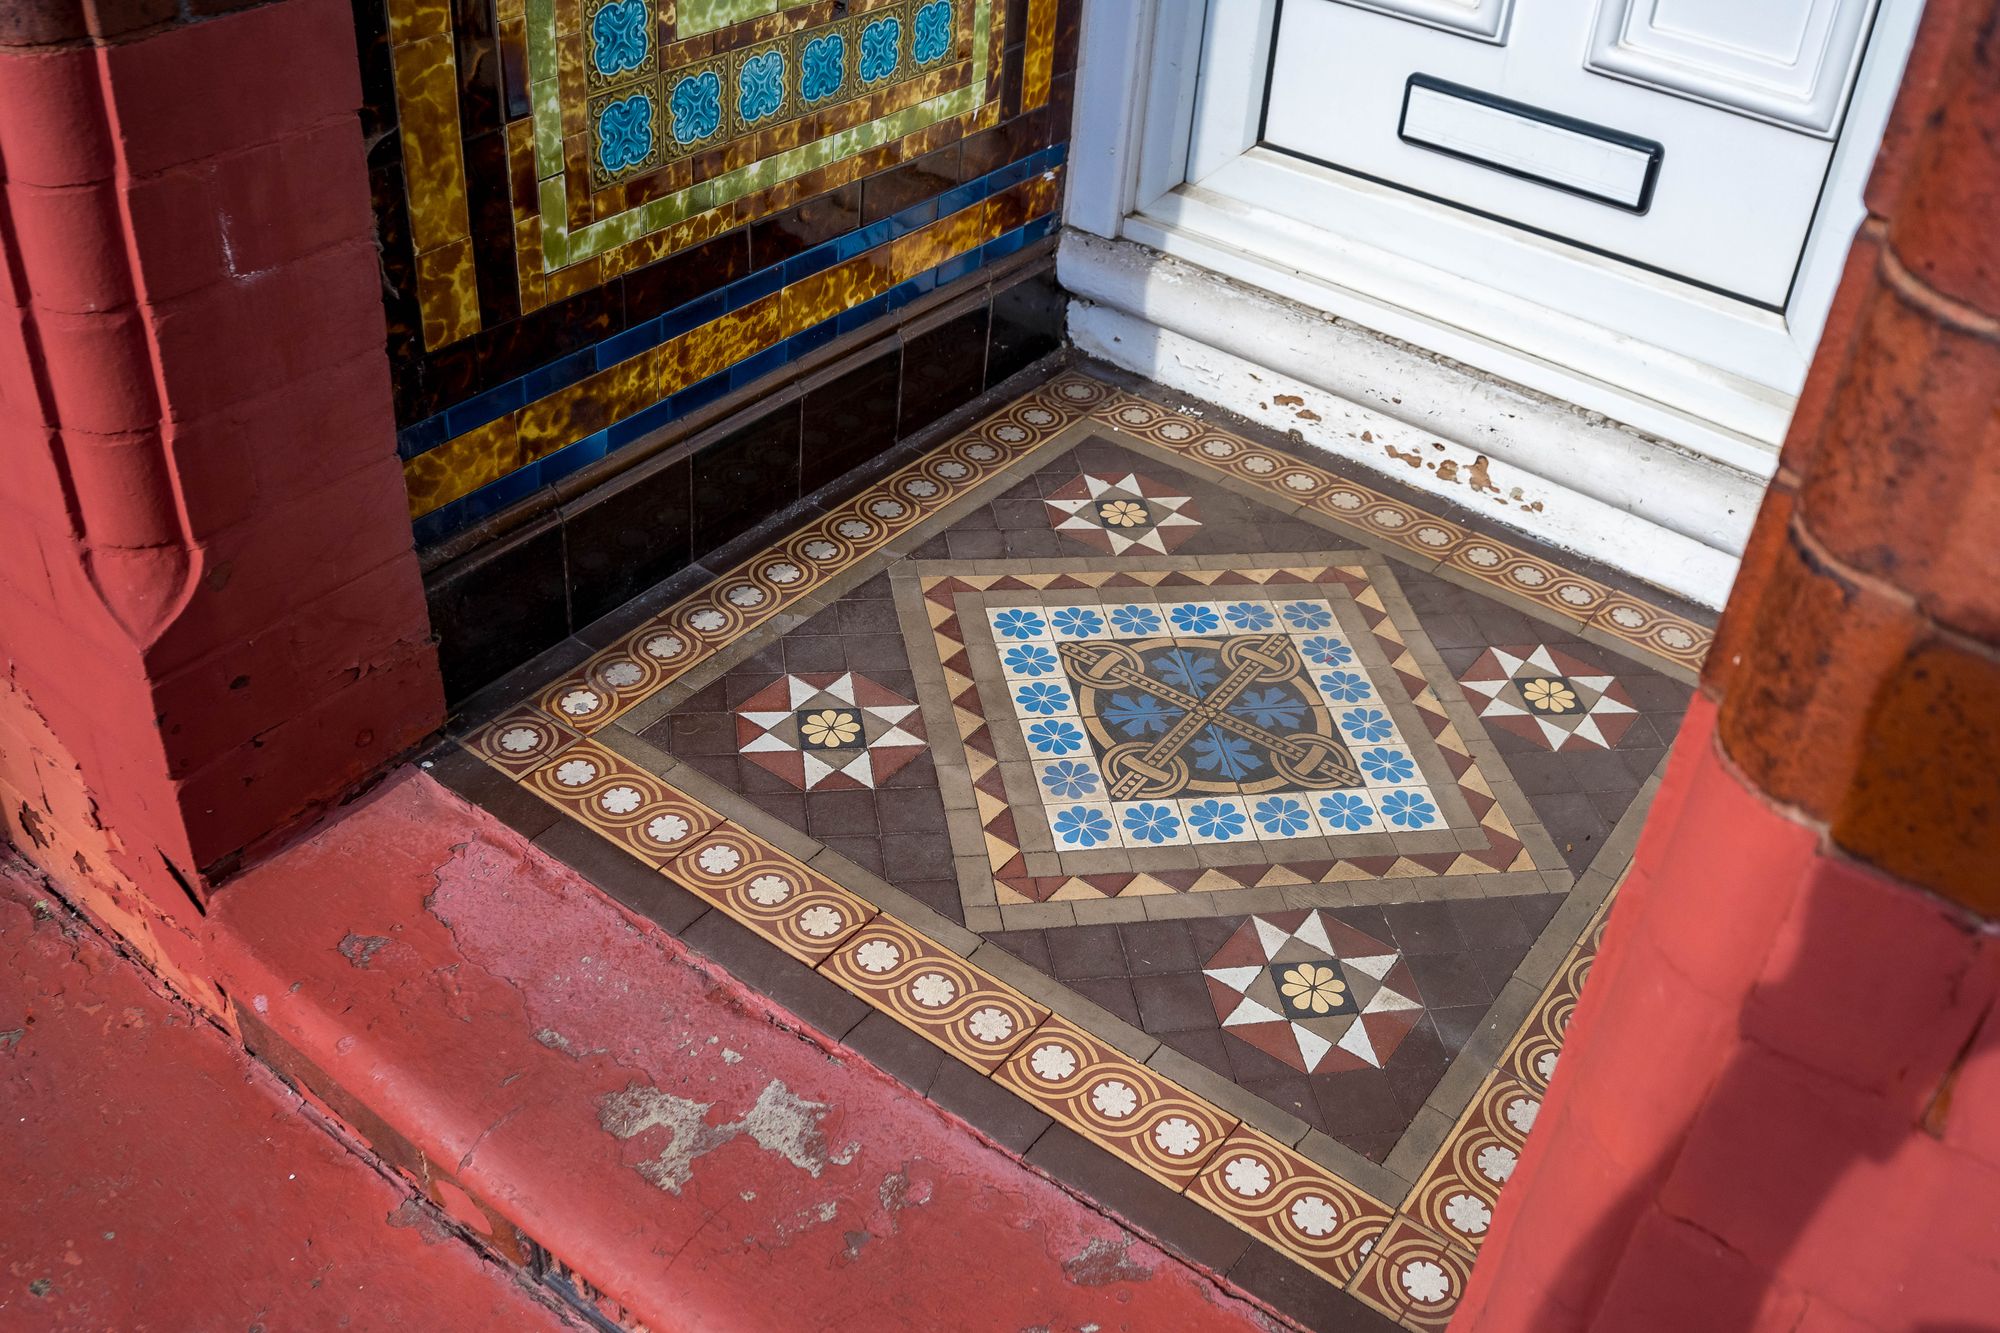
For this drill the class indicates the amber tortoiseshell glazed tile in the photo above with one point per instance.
(461, 465)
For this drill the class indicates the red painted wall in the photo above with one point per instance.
(1778, 1105)
(210, 617)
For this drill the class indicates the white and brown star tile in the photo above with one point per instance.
(1119, 514)
(1549, 696)
(829, 732)
(1312, 991)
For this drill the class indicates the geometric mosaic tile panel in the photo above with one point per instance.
(1161, 730)
(1297, 989)
(1551, 697)
(1314, 992)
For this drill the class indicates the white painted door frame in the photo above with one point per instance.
(1716, 383)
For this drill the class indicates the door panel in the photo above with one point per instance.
(1483, 19)
(1791, 64)
(1733, 197)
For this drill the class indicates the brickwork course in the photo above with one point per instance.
(211, 615)
(1779, 1102)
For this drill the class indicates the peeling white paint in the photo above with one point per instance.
(1563, 476)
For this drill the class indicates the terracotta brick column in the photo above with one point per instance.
(1779, 1102)
(210, 616)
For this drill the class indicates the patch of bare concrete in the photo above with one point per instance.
(361, 949)
(780, 1122)
(1104, 1261)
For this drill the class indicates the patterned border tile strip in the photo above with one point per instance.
(1116, 1102)
(802, 913)
(1492, 561)
(935, 993)
(618, 799)
(1297, 1206)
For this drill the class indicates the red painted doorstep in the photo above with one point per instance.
(158, 1179)
(641, 1115)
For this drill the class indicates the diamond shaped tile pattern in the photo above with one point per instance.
(829, 732)
(1314, 992)
(1122, 513)
(1550, 696)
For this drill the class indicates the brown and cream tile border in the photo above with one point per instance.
(1409, 1259)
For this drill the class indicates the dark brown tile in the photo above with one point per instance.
(821, 218)
(1157, 946)
(499, 606)
(492, 791)
(745, 478)
(1175, 1221)
(1302, 1295)
(944, 368)
(776, 975)
(987, 1106)
(627, 535)
(1087, 951)
(1027, 325)
(890, 192)
(621, 875)
(850, 419)
(1174, 1002)
(896, 1050)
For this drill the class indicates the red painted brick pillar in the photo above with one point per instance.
(1779, 1102)
(211, 622)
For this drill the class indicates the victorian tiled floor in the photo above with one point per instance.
(1251, 823)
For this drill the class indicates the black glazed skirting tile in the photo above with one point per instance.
(525, 590)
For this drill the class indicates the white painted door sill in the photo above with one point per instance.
(1567, 474)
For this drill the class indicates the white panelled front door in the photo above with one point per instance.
(1687, 137)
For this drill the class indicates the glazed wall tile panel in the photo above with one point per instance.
(599, 215)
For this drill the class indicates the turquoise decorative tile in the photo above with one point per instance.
(880, 40)
(697, 114)
(762, 89)
(824, 65)
(619, 42)
(933, 30)
(626, 133)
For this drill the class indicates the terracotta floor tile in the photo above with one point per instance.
(1116, 1102)
(933, 991)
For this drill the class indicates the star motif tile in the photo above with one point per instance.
(829, 732)
(1549, 696)
(1119, 514)
(1312, 991)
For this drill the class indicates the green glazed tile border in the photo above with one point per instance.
(562, 247)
